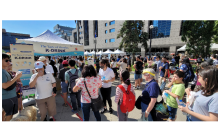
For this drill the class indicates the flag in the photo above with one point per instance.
(95, 34)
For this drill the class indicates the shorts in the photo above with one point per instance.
(64, 87)
(172, 112)
(10, 106)
(46, 104)
(137, 76)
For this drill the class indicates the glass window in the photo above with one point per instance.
(86, 32)
(161, 28)
(112, 30)
(112, 40)
(112, 22)
(106, 41)
(105, 24)
(105, 31)
(95, 29)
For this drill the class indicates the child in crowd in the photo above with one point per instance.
(177, 91)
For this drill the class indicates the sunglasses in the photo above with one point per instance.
(7, 60)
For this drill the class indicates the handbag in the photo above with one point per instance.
(96, 104)
(138, 102)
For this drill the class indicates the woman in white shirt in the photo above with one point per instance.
(45, 85)
(114, 67)
(122, 65)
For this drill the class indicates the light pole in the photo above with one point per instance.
(151, 27)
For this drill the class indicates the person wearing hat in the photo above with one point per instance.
(45, 93)
(63, 84)
(150, 93)
(48, 68)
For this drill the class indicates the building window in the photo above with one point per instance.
(105, 24)
(112, 22)
(112, 30)
(95, 22)
(75, 37)
(181, 28)
(112, 40)
(86, 32)
(106, 41)
(161, 28)
(81, 27)
(105, 31)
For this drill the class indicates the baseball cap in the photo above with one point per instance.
(42, 58)
(38, 65)
(65, 62)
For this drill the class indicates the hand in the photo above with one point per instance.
(18, 74)
(53, 94)
(188, 90)
(106, 81)
(33, 71)
(146, 115)
(184, 109)
(167, 91)
(173, 80)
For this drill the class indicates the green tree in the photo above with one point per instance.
(215, 39)
(132, 34)
(198, 35)
(3, 51)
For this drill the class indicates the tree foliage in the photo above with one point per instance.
(198, 35)
(132, 34)
(3, 51)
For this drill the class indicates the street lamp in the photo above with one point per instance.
(151, 27)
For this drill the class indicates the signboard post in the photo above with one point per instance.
(22, 57)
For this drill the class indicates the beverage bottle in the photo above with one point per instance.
(181, 103)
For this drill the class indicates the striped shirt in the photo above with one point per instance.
(119, 93)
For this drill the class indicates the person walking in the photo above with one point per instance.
(205, 104)
(9, 97)
(158, 64)
(124, 77)
(138, 72)
(81, 63)
(177, 91)
(52, 63)
(150, 93)
(122, 64)
(164, 72)
(70, 78)
(64, 86)
(93, 83)
(107, 77)
(114, 67)
(46, 91)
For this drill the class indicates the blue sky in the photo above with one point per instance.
(34, 27)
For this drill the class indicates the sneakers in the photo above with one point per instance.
(103, 111)
(74, 111)
(51, 119)
(111, 110)
(137, 87)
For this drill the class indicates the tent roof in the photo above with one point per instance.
(49, 37)
(118, 52)
(214, 46)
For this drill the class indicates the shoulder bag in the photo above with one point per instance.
(96, 104)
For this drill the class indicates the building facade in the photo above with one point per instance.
(10, 38)
(165, 36)
(63, 32)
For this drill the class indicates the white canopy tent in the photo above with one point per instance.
(119, 52)
(49, 44)
(93, 52)
(86, 53)
(100, 53)
(214, 46)
(108, 51)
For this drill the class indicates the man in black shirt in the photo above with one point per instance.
(177, 57)
(138, 72)
(128, 63)
(64, 86)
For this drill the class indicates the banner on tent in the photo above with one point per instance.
(22, 57)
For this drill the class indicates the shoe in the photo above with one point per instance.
(74, 111)
(51, 119)
(111, 110)
(45, 118)
(64, 105)
(103, 111)
(138, 87)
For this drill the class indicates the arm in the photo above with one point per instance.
(33, 82)
(9, 83)
(172, 94)
(134, 66)
(151, 104)
(117, 96)
(76, 88)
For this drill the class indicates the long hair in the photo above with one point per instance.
(125, 76)
(210, 76)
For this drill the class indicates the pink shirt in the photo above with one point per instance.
(92, 83)
(119, 93)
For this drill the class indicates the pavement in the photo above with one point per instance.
(65, 114)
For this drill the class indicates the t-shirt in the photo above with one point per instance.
(106, 75)
(184, 67)
(7, 94)
(118, 59)
(49, 69)
(92, 84)
(165, 66)
(129, 62)
(43, 85)
(178, 89)
(203, 105)
(62, 74)
(67, 76)
(151, 91)
(215, 62)
(139, 65)
(158, 65)
(114, 64)
(122, 66)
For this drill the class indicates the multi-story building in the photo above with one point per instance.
(63, 32)
(166, 35)
(10, 38)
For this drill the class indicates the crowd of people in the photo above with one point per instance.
(84, 83)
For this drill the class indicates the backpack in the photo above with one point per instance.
(128, 103)
(72, 81)
(189, 75)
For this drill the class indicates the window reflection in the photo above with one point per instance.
(161, 28)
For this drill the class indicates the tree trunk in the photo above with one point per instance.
(133, 58)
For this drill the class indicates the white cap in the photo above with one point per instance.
(38, 65)
(42, 58)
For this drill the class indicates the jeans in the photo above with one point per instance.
(86, 112)
(163, 84)
(76, 100)
(144, 108)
